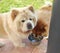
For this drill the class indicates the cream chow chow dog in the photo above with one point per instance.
(18, 23)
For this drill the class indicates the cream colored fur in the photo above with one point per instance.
(13, 26)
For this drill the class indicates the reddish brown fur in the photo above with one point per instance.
(14, 14)
(41, 28)
(43, 24)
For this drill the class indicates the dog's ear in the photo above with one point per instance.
(14, 13)
(31, 8)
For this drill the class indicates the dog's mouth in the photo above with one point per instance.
(24, 32)
(34, 39)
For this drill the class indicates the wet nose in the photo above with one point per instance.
(29, 25)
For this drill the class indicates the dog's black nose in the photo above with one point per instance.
(29, 25)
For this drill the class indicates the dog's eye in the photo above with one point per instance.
(30, 19)
(23, 21)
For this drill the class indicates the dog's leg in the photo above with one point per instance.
(18, 44)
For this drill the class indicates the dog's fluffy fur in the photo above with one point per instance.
(16, 22)
(43, 23)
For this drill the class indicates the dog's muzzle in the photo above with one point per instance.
(29, 26)
(35, 40)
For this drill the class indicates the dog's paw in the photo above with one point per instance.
(2, 44)
(19, 45)
(22, 45)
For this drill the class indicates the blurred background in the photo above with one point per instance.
(5, 5)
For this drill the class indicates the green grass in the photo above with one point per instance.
(5, 5)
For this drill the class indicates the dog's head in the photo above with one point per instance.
(24, 18)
